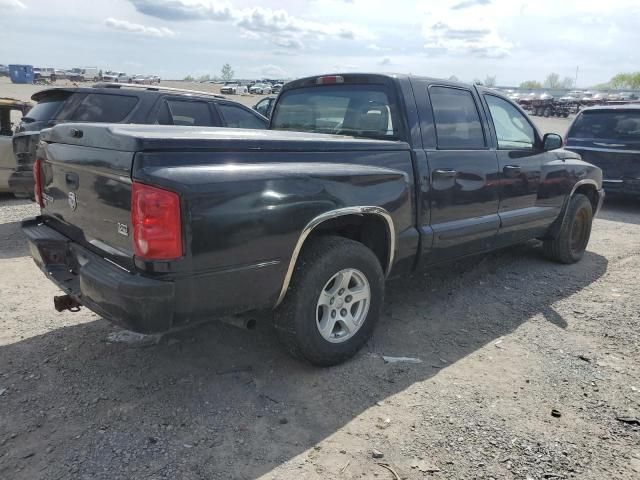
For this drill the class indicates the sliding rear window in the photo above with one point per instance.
(357, 110)
(607, 125)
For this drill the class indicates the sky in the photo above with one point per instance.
(513, 40)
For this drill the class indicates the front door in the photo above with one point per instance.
(520, 159)
(464, 193)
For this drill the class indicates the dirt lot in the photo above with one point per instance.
(504, 339)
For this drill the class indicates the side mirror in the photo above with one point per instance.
(551, 141)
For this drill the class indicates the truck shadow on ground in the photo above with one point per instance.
(211, 402)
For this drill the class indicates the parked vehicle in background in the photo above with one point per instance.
(628, 96)
(609, 137)
(234, 88)
(265, 106)
(40, 73)
(196, 223)
(117, 103)
(117, 77)
(275, 89)
(260, 89)
(11, 110)
(155, 79)
(86, 74)
(141, 79)
(4, 70)
(547, 106)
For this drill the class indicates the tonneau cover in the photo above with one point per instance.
(136, 138)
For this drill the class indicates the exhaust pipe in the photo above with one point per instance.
(66, 302)
(239, 321)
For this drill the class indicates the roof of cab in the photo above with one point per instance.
(106, 87)
(624, 106)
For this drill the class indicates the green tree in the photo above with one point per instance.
(552, 81)
(204, 78)
(626, 80)
(477, 81)
(530, 85)
(227, 73)
(188, 78)
(453, 78)
(490, 81)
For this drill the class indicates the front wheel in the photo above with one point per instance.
(333, 303)
(571, 242)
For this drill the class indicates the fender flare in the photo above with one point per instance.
(323, 217)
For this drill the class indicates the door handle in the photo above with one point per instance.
(444, 173)
(512, 170)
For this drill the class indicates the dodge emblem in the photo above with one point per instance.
(73, 202)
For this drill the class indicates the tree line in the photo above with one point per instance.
(226, 75)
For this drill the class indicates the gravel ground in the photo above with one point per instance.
(504, 339)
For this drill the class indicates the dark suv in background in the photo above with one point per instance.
(609, 137)
(118, 103)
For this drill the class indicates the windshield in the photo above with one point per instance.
(357, 110)
(607, 125)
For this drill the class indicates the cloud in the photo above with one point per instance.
(276, 26)
(385, 61)
(184, 9)
(470, 3)
(12, 5)
(273, 71)
(126, 26)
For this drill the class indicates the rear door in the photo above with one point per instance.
(464, 175)
(610, 139)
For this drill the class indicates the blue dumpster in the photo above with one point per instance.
(21, 73)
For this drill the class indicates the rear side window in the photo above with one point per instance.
(357, 110)
(99, 107)
(237, 117)
(457, 120)
(186, 113)
(607, 124)
(46, 109)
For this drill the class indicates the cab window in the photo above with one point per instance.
(458, 125)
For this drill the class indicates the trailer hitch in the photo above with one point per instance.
(66, 302)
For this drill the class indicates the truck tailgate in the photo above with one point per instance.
(87, 197)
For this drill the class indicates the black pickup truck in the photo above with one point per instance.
(363, 177)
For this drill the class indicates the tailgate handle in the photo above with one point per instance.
(72, 180)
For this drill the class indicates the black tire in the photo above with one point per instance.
(571, 242)
(547, 112)
(296, 318)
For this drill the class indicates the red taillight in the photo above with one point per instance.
(329, 79)
(37, 178)
(155, 218)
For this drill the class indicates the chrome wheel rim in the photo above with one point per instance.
(343, 305)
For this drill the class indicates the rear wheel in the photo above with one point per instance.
(547, 112)
(333, 303)
(571, 242)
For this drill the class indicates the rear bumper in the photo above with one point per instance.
(624, 187)
(125, 298)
